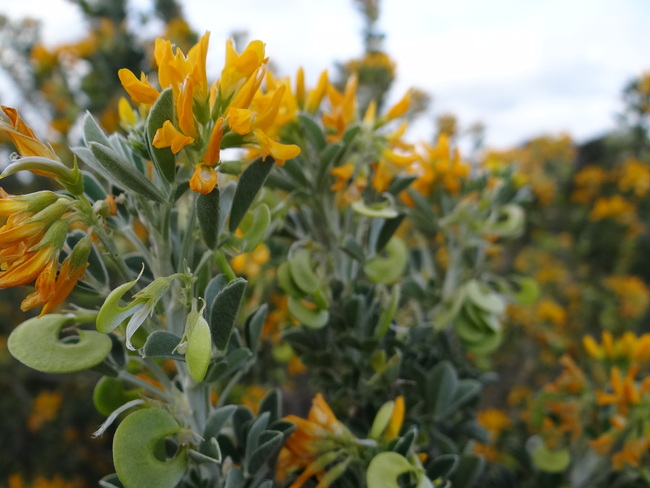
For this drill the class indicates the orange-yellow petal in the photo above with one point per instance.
(204, 179)
(170, 136)
(239, 120)
(396, 419)
(140, 90)
(23, 136)
(213, 152)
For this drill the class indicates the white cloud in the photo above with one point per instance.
(522, 68)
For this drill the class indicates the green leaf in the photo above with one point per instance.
(237, 359)
(272, 403)
(253, 327)
(314, 319)
(529, 291)
(313, 131)
(381, 420)
(390, 268)
(326, 158)
(161, 344)
(376, 211)
(224, 312)
(163, 158)
(136, 447)
(388, 228)
(405, 443)
(207, 211)
(125, 175)
(481, 296)
(217, 419)
(250, 182)
(387, 315)
(385, 468)
(92, 188)
(37, 344)
(287, 283)
(551, 461)
(269, 445)
(255, 431)
(215, 285)
(442, 385)
(301, 272)
(109, 394)
(235, 478)
(468, 471)
(400, 183)
(253, 227)
(442, 466)
(92, 131)
(466, 390)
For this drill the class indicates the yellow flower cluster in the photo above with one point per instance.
(45, 408)
(234, 103)
(628, 347)
(631, 293)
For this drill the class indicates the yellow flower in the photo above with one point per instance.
(550, 311)
(493, 420)
(44, 409)
(204, 178)
(170, 136)
(631, 454)
(314, 444)
(315, 96)
(23, 136)
(399, 109)
(140, 90)
(635, 177)
(53, 289)
(615, 208)
(624, 391)
(280, 152)
(396, 419)
(343, 109)
(632, 294)
(343, 174)
(240, 68)
(126, 113)
(176, 69)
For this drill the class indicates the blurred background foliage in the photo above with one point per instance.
(585, 243)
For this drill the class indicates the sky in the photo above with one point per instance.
(521, 67)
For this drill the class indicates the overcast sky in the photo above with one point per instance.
(522, 67)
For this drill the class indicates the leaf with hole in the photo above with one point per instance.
(37, 344)
(139, 454)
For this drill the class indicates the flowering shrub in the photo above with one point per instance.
(327, 250)
(277, 287)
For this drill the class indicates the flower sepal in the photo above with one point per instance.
(69, 178)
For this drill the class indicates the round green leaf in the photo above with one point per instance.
(385, 468)
(390, 268)
(551, 461)
(481, 296)
(313, 318)
(37, 344)
(302, 273)
(137, 447)
(109, 395)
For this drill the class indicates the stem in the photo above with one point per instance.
(233, 381)
(188, 239)
(134, 380)
(224, 265)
